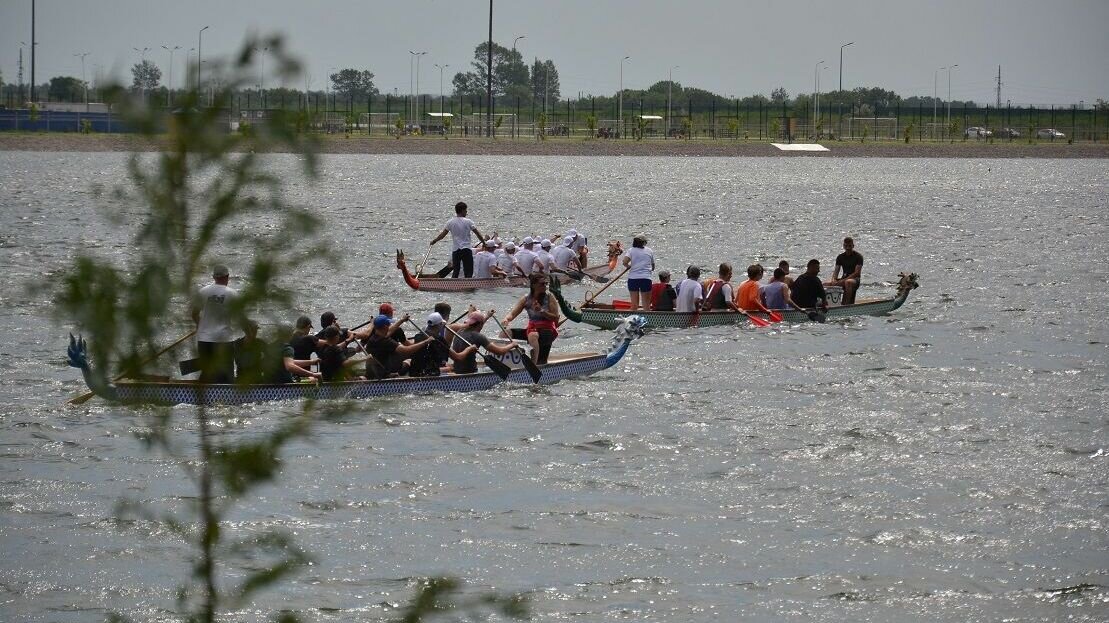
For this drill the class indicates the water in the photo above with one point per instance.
(946, 463)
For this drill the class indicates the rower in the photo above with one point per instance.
(257, 362)
(390, 355)
(564, 257)
(747, 298)
(662, 293)
(526, 256)
(580, 247)
(471, 333)
(432, 358)
(485, 262)
(544, 262)
(689, 291)
(333, 361)
(302, 340)
(542, 310)
(506, 261)
(776, 294)
(807, 290)
(719, 293)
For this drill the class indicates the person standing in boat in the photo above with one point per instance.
(690, 292)
(212, 310)
(640, 262)
(807, 290)
(747, 297)
(542, 311)
(848, 271)
(719, 295)
(460, 227)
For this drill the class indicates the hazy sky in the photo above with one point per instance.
(1050, 52)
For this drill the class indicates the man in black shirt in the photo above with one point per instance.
(388, 352)
(302, 340)
(848, 271)
(472, 334)
(807, 291)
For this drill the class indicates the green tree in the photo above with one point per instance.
(510, 74)
(591, 123)
(145, 76)
(352, 83)
(66, 89)
(542, 129)
(779, 95)
(544, 80)
(909, 132)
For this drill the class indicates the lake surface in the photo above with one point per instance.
(945, 463)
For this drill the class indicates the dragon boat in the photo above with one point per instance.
(184, 391)
(469, 284)
(610, 315)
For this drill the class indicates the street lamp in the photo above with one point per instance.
(169, 89)
(413, 106)
(949, 92)
(816, 92)
(199, 49)
(620, 117)
(514, 43)
(669, 90)
(83, 83)
(841, 63)
(441, 68)
(935, 96)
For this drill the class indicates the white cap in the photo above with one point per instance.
(496, 239)
(546, 244)
(571, 233)
(527, 240)
(490, 244)
(509, 246)
(567, 241)
(434, 318)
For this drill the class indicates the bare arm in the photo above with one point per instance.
(516, 310)
(441, 235)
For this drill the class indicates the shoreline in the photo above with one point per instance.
(341, 144)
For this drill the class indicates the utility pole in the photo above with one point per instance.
(948, 122)
(199, 49)
(441, 68)
(489, 76)
(169, 87)
(33, 44)
(816, 93)
(999, 87)
(669, 91)
(841, 63)
(620, 114)
(417, 95)
(21, 100)
(546, 79)
(935, 95)
(82, 55)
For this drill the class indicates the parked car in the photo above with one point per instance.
(1049, 133)
(1008, 133)
(977, 132)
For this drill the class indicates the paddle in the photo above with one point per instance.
(529, 365)
(420, 268)
(598, 293)
(498, 367)
(774, 316)
(83, 398)
(755, 320)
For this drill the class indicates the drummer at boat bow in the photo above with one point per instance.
(542, 311)
(848, 271)
(215, 337)
(459, 228)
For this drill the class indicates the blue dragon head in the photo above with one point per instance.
(77, 352)
(630, 328)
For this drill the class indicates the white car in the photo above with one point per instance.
(977, 132)
(1050, 133)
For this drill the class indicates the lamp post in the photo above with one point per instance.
(620, 116)
(841, 63)
(441, 68)
(412, 107)
(169, 88)
(514, 43)
(417, 100)
(949, 92)
(816, 92)
(199, 49)
(669, 92)
(82, 55)
(935, 95)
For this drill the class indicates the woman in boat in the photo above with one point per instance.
(542, 310)
(640, 261)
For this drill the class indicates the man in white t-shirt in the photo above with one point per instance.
(564, 257)
(459, 227)
(580, 247)
(485, 263)
(506, 260)
(526, 256)
(215, 334)
(690, 292)
(543, 261)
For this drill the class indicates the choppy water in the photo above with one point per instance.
(946, 463)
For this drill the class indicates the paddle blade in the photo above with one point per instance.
(529, 365)
(775, 316)
(817, 316)
(189, 366)
(758, 322)
(498, 367)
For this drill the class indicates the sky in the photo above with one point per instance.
(1051, 53)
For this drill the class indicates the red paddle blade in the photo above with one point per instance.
(758, 322)
(775, 316)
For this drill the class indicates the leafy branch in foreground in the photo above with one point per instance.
(208, 196)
